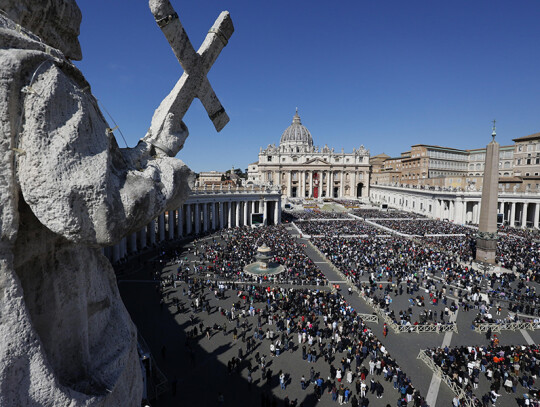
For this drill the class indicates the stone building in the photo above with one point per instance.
(475, 172)
(303, 170)
(210, 177)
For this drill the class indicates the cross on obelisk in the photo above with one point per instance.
(196, 65)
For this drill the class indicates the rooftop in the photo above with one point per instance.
(534, 136)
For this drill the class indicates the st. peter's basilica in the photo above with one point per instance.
(306, 171)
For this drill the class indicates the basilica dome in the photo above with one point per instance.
(296, 134)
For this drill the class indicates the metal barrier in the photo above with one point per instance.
(156, 382)
(429, 328)
(506, 326)
(458, 391)
(369, 317)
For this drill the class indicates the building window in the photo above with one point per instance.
(269, 158)
(295, 159)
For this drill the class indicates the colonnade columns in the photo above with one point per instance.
(180, 222)
(238, 223)
(133, 242)
(341, 189)
(116, 253)
(246, 217)
(142, 237)
(536, 215)
(221, 217)
(524, 215)
(229, 215)
(197, 218)
(353, 186)
(205, 216)
(189, 223)
(513, 214)
(476, 211)
(214, 214)
(311, 184)
(152, 232)
(452, 214)
(123, 247)
(265, 218)
(171, 225)
(253, 208)
(161, 227)
(276, 212)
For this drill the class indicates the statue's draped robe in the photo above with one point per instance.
(66, 190)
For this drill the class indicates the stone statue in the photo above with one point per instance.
(66, 191)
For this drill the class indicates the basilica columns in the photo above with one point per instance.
(311, 184)
(289, 183)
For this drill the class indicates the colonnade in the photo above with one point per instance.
(517, 209)
(204, 211)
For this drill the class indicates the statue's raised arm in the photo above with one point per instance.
(66, 190)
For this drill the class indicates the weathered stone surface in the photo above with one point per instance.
(66, 190)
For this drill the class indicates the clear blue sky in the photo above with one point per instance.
(386, 74)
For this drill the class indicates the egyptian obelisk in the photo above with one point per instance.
(486, 240)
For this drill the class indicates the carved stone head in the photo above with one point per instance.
(56, 22)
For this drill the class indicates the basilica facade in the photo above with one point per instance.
(303, 170)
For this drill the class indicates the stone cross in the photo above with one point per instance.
(196, 65)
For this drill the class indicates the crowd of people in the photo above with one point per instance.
(385, 214)
(338, 228)
(225, 257)
(414, 281)
(421, 227)
(308, 325)
(512, 369)
(309, 214)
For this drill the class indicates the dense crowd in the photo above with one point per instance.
(403, 262)
(226, 257)
(513, 253)
(338, 228)
(309, 325)
(385, 214)
(512, 369)
(307, 214)
(421, 227)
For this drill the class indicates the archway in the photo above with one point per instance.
(359, 188)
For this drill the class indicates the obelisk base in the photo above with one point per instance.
(485, 250)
